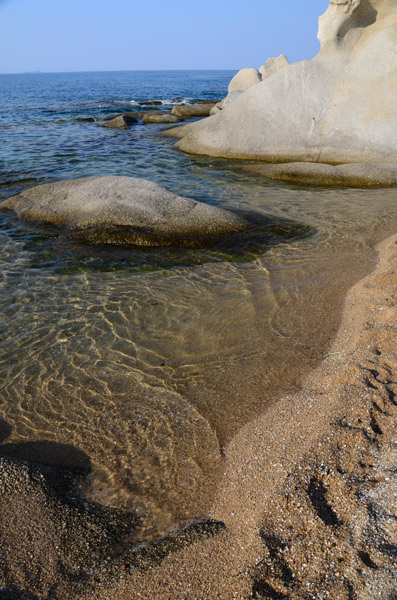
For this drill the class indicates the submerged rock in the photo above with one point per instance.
(86, 119)
(125, 210)
(136, 114)
(121, 121)
(339, 107)
(351, 174)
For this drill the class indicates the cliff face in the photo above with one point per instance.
(338, 107)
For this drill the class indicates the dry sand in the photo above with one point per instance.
(306, 508)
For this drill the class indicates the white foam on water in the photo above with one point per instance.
(164, 101)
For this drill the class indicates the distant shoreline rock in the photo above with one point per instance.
(125, 211)
(160, 116)
(121, 121)
(188, 111)
(180, 112)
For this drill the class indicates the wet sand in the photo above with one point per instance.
(305, 509)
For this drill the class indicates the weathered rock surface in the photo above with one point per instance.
(121, 121)
(273, 65)
(243, 80)
(339, 107)
(125, 210)
(160, 116)
(350, 174)
(193, 110)
(215, 109)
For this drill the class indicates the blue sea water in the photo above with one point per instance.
(148, 360)
(43, 139)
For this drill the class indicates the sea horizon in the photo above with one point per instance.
(119, 71)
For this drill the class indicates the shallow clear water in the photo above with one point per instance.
(136, 366)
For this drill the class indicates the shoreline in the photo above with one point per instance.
(298, 498)
(292, 511)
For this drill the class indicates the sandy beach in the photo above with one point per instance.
(308, 495)
(198, 302)
(305, 508)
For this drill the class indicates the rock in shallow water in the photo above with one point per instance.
(160, 116)
(351, 174)
(193, 110)
(121, 121)
(125, 210)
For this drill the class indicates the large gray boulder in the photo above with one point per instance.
(339, 107)
(124, 210)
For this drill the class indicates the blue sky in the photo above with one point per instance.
(95, 35)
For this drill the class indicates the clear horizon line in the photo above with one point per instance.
(108, 71)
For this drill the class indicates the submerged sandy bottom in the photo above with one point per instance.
(309, 492)
(138, 379)
(305, 507)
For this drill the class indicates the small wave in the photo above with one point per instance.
(178, 101)
(162, 101)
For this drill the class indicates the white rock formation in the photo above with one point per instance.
(273, 65)
(243, 80)
(339, 107)
(246, 78)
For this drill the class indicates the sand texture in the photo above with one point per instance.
(306, 508)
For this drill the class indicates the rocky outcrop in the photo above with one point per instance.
(120, 122)
(336, 108)
(125, 210)
(160, 116)
(246, 78)
(273, 65)
(188, 111)
(243, 80)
